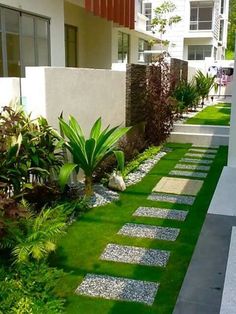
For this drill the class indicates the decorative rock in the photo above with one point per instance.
(210, 156)
(114, 288)
(188, 174)
(197, 161)
(149, 231)
(192, 167)
(116, 182)
(164, 213)
(172, 198)
(135, 255)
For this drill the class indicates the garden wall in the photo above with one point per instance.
(84, 93)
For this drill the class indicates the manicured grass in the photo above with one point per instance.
(79, 251)
(212, 116)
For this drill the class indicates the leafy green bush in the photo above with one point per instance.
(88, 154)
(28, 150)
(134, 164)
(29, 289)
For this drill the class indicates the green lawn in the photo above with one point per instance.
(212, 115)
(78, 252)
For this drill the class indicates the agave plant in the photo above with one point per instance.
(89, 153)
(204, 84)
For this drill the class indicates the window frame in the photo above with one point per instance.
(67, 27)
(198, 6)
(123, 52)
(195, 47)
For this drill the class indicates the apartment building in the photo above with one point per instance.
(202, 32)
(73, 33)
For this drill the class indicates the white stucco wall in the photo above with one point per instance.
(9, 90)
(53, 9)
(84, 93)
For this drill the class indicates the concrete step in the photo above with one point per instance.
(207, 139)
(202, 129)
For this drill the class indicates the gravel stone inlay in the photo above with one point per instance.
(206, 147)
(172, 198)
(203, 151)
(188, 174)
(114, 288)
(210, 156)
(149, 231)
(135, 255)
(192, 167)
(197, 161)
(164, 213)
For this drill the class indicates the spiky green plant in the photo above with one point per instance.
(89, 153)
(204, 84)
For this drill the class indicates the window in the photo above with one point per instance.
(71, 46)
(222, 6)
(201, 16)
(148, 13)
(24, 41)
(142, 46)
(197, 52)
(123, 47)
(140, 6)
(221, 33)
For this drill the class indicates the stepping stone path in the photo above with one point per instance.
(188, 174)
(192, 167)
(116, 288)
(172, 198)
(197, 161)
(205, 147)
(178, 186)
(135, 255)
(168, 189)
(164, 213)
(208, 156)
(149, 231)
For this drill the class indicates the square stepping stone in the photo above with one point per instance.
(171, 198)
(164, 213)
(203, 151)
(117, 288)
(135, 255)
(178, 186)
(197, 161)
(149, 231)
(192, 167)
(209, 156)
(193, 174)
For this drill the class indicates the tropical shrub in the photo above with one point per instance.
(204, 84)
(159, 105)
(28, 150)
(89, 153)
(187, 96)
(29, 289)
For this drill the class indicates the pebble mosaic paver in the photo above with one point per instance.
(204, 151)
(193, 174)
(192, 167)
(149, 231)
(208, 156)
(117, 288)
(172, 198)
(197, 161)
(178, 186)
(135, 255)
(163, 213)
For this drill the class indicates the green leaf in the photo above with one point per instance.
(64, 174)
(120, 157)
(96, 129)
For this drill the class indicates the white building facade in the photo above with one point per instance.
(202, 31)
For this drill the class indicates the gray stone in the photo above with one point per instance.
(164, 213)
(135, 255)
(206, 147)
(196, 161)
(208, 156)
(149, 231)
(117, 288)
(172, 198)
(203, 151)
(116, 182)
(193, 174)
(192, 167)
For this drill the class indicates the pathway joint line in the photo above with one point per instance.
(117, 288)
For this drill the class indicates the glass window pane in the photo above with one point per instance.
(205, 14)
(42, 42)
(12, 21)
(204, 25)
(13, 54)
(28, 42)
(193, 15)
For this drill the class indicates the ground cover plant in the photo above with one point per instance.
(212, 115)
(78, 255)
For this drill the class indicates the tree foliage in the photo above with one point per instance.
(232, 25)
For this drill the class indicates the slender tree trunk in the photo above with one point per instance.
(88, 186)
